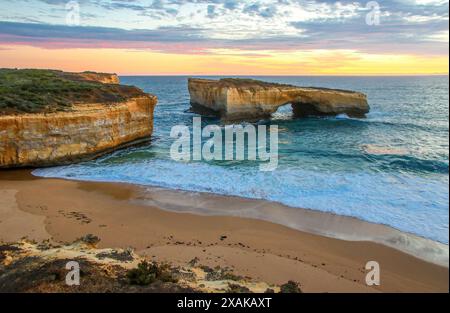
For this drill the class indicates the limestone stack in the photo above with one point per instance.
(245, 98)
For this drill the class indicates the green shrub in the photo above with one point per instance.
(147, 273)
(290, 287)
(236, 288)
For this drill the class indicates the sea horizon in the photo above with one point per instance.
(282, 75)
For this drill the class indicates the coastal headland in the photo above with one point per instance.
(51, 117)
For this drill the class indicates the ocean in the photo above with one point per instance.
(391, 168)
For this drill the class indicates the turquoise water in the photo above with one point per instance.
(391, 168)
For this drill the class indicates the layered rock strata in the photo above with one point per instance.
(244, 98)
(87, 131)
(83, 131)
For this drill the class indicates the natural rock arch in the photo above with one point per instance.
(244, 98)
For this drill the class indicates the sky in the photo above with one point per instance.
(227, 37)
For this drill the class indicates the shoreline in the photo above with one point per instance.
(125, 215)
(316, 222)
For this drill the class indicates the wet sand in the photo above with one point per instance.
(131, 216)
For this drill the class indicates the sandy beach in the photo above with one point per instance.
(63, 211)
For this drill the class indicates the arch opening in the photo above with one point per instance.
(284, 111)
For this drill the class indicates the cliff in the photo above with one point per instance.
(104, 78)
(108, 118)
(245, 98)
(86, 132)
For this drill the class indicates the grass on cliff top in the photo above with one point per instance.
(246, 82)
(249, 83)
(46, 91)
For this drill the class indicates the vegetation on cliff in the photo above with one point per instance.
(28, 266)
(46, 91)
(253, 83)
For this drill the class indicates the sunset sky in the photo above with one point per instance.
(228, 37)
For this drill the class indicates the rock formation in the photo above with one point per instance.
(83, 131)
(87, 131)
(245, 98)
(105, 78)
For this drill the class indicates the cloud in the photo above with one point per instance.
(201, 26)
(169, 39)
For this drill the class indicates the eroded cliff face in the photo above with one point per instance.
(85, 132)
(105, 78)
(241, 98)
